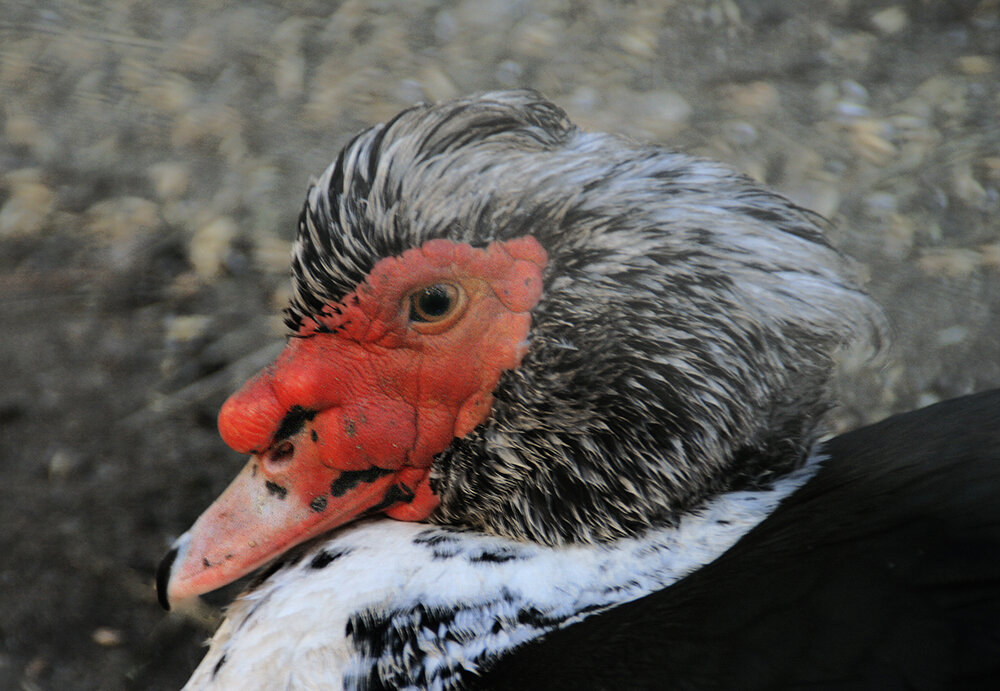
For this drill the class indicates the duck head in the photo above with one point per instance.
(505, 324)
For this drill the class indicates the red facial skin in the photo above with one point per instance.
(349, 417)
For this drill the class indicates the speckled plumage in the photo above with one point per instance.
(398, 605)
(675, 382)
(684, 341)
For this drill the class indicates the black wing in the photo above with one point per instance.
(883, 572)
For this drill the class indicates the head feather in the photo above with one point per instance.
(685, 339)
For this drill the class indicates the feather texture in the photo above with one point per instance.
(684, 342)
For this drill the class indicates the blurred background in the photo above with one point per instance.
(154, 155)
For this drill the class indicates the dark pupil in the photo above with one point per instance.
(434, 301)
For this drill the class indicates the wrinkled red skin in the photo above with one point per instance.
(384, 393)
(349, 417)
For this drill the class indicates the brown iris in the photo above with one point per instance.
(435, 302)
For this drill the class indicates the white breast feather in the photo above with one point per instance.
(290, 632)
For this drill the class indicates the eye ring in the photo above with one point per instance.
(435, 303)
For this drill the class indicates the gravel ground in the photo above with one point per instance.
(153, 157)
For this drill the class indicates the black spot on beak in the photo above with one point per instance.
(318, 504)
(276, 489)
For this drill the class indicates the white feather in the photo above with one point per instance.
(290, 632)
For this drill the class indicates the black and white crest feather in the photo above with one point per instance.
(687, 326)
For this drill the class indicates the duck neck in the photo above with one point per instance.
(419, 606)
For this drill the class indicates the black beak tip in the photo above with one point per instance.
(163, 578)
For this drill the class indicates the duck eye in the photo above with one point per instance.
(434, 303)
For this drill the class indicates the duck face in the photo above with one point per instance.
(681, 347)
(348, 419)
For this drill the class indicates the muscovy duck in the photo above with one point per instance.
(551, 417)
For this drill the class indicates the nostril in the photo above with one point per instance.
(282, 452)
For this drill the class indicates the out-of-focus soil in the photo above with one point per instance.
(153, 157)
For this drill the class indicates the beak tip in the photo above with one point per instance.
(165, 571)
